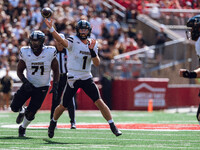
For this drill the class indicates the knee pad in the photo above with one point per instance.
(29, 115)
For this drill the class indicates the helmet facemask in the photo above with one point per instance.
(36, 45)
(36, 41)
(83, 29)
(83, 33)
(193, 33)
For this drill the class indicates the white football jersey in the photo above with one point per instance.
(38, 67)
(197, 46)
(79, 58)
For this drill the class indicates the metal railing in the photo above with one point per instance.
(124, 67)
(171, 16)
(116, 10)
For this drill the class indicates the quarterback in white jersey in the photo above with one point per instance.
(38, 60)
(82, 53)
(79, 60)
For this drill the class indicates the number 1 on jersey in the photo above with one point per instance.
(84, 62)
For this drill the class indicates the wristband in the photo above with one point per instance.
(52, 29)
(189, 74)
(92, 52)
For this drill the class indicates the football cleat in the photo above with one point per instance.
(51, 128)
(73, 125)
(20, 117)
(115, 130)
(22, 131)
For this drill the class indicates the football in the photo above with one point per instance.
(46, 12)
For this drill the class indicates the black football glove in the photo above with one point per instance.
(54, 90)
(189, 74)
(28, 87)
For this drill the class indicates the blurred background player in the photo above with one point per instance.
(6, 83)
(82, 53)
(193, 34)
(62, 61)
(38, 60)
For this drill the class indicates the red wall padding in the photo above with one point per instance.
(125, 93)
(182, 96)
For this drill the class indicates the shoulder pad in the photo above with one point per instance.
(51, 50)
(50, 47)
(24, 50)
(25, 47)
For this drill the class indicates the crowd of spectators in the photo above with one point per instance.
(151, 7)
(18, 18)
(140, 5)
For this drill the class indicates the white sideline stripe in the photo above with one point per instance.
(77, 132)
(72, 132)
(4, 116)
(111, 139)
(29, 127)
(170, 122)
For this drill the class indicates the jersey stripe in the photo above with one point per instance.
(62, 60)
(70, 39)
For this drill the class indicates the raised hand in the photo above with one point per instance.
(48, 22)
(92, 44)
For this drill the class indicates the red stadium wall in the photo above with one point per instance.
(182, 96)
(135, 94)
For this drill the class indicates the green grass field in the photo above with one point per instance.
(103, 139)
